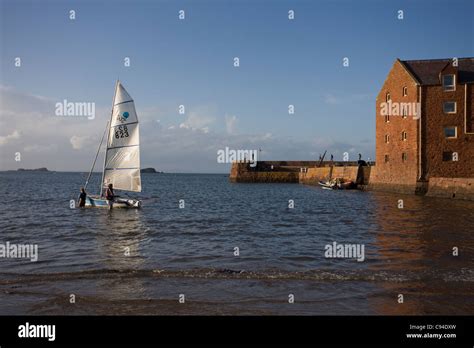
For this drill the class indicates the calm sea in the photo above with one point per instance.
(190, 251)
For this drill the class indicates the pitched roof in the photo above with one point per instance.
(427, 71)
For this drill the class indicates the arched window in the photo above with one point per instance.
(404, 110)
(405, 91)
(387, 138)
(387, 97)
(404, 136)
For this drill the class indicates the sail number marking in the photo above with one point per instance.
(121, 132)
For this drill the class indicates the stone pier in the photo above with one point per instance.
(366, 177)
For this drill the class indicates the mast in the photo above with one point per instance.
(101, 193)
(96, 155)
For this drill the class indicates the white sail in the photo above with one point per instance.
(122, 158)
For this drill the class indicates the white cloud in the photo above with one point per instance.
(331, 99)
(7, 138)
(189, 145)
(79, 142)
(44, 149)
(201, 118)
(231, 123)
(40, 131)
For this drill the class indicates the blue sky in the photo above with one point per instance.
(190, 62)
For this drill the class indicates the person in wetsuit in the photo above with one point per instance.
(109, 196)
(82, 198)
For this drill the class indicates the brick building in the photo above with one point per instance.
(425, 128)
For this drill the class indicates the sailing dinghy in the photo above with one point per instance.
(122, 155)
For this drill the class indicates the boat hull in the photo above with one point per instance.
(337, 186)
(327, 185)
(98, 202)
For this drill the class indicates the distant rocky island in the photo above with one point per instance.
(149, 170)
(43, 169)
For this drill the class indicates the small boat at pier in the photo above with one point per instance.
(336, 184)
(328, 185)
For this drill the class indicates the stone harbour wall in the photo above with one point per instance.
(307, 172)
(457, 188)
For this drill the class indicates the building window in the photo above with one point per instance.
(404, 110)
(449, 107)
(387, 138)
(405, 91)
(386, 158)
(451, 132)
(387, 118)
(404, 157)
(404, 136)
(387, 97)
(449, 82)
